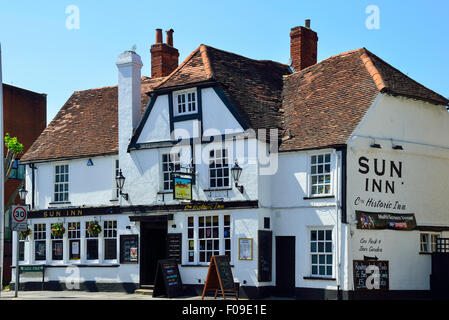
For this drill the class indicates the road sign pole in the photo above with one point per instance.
(16, 287)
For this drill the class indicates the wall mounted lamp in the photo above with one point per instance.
(120, 180)
(236, 171)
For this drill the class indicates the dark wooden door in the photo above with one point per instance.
(154, 248)
(285, 266)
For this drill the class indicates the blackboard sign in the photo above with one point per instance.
(371, 275)
(219, 277)
(174, 241)
(265, 255)
(129, 248)
(168, 280)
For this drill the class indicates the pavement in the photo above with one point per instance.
(85, 295)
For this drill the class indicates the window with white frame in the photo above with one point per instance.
(40, 237)
(61, 183)
(91, 243)
(170, 163)
(428, 242)
(185, 102)
(208, 236)
(320, 174)
(218, 169)
(110, 239)
(57, 246)
(321, 255)
(74, 235)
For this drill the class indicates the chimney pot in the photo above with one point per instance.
(170, 37)
(307, 24)
(158, 35)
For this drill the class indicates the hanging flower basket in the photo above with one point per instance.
(26, 233)
(94, 229)
(57, 230)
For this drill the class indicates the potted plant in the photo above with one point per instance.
(57, 230)
(94, 229)
(26, 233)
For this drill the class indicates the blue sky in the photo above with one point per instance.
(41, 54)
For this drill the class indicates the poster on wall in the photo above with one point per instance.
(380, 221)
(182, 188)
(371, 275)
(245, 249)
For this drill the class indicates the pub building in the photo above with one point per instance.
(319, 180)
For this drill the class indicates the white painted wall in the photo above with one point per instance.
(159, 130)
(422, 130)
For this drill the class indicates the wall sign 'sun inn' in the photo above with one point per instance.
(393, 221)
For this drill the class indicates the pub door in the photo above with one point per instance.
(285, 266)
(153, 244)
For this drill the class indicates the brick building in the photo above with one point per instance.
(24, 116)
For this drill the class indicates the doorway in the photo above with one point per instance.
(153, 244)
(285, 266)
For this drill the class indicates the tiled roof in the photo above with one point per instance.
(87, 125)
(325, 102)
(253, 86)
(316, 107)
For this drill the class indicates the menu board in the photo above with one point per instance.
(174, 241)
(129, 248)
(371, 275)
(168, 280)
(265, 255)
(219, 277)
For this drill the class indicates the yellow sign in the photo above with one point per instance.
(183, 188)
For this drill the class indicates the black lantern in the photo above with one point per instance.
(120, 180)
(22, 193)
(236, 171)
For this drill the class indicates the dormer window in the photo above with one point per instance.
(185, 102)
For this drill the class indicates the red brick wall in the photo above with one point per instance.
(164, 60)
(303, 47)
(24, 117)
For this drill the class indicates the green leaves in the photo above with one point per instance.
(13, 144)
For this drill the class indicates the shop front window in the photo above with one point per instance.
(91, 244)
(39, 235)
(74, 235)
(57, 247)
(110, 239)
(208, 236)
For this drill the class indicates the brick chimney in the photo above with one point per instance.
(303, 46)
(164, 57)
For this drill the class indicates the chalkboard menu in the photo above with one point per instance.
(265, 255)
(129, 248)
(174, 241)
(168, 280)
(371, 275)
(219, 277)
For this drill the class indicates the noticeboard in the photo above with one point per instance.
(371, 275)
(265, 255)
(174, 241)
(168, 280)
(129, 248)
(219, 277)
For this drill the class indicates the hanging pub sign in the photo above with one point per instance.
(379, 221)
(168, 280)
(371, 275)
(182, 189)
(219, 277)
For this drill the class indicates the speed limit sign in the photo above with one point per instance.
(19, 218)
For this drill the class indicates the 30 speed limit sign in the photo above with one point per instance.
(19, 218)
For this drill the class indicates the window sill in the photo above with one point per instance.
(319, 278)
(165, 192)
(114, 200)
(62, 202)
(426, 253)
(222, 189)
(319, 197)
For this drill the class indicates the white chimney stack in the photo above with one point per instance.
(129, 67)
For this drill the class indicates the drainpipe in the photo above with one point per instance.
(337, 206)
(33, 167)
